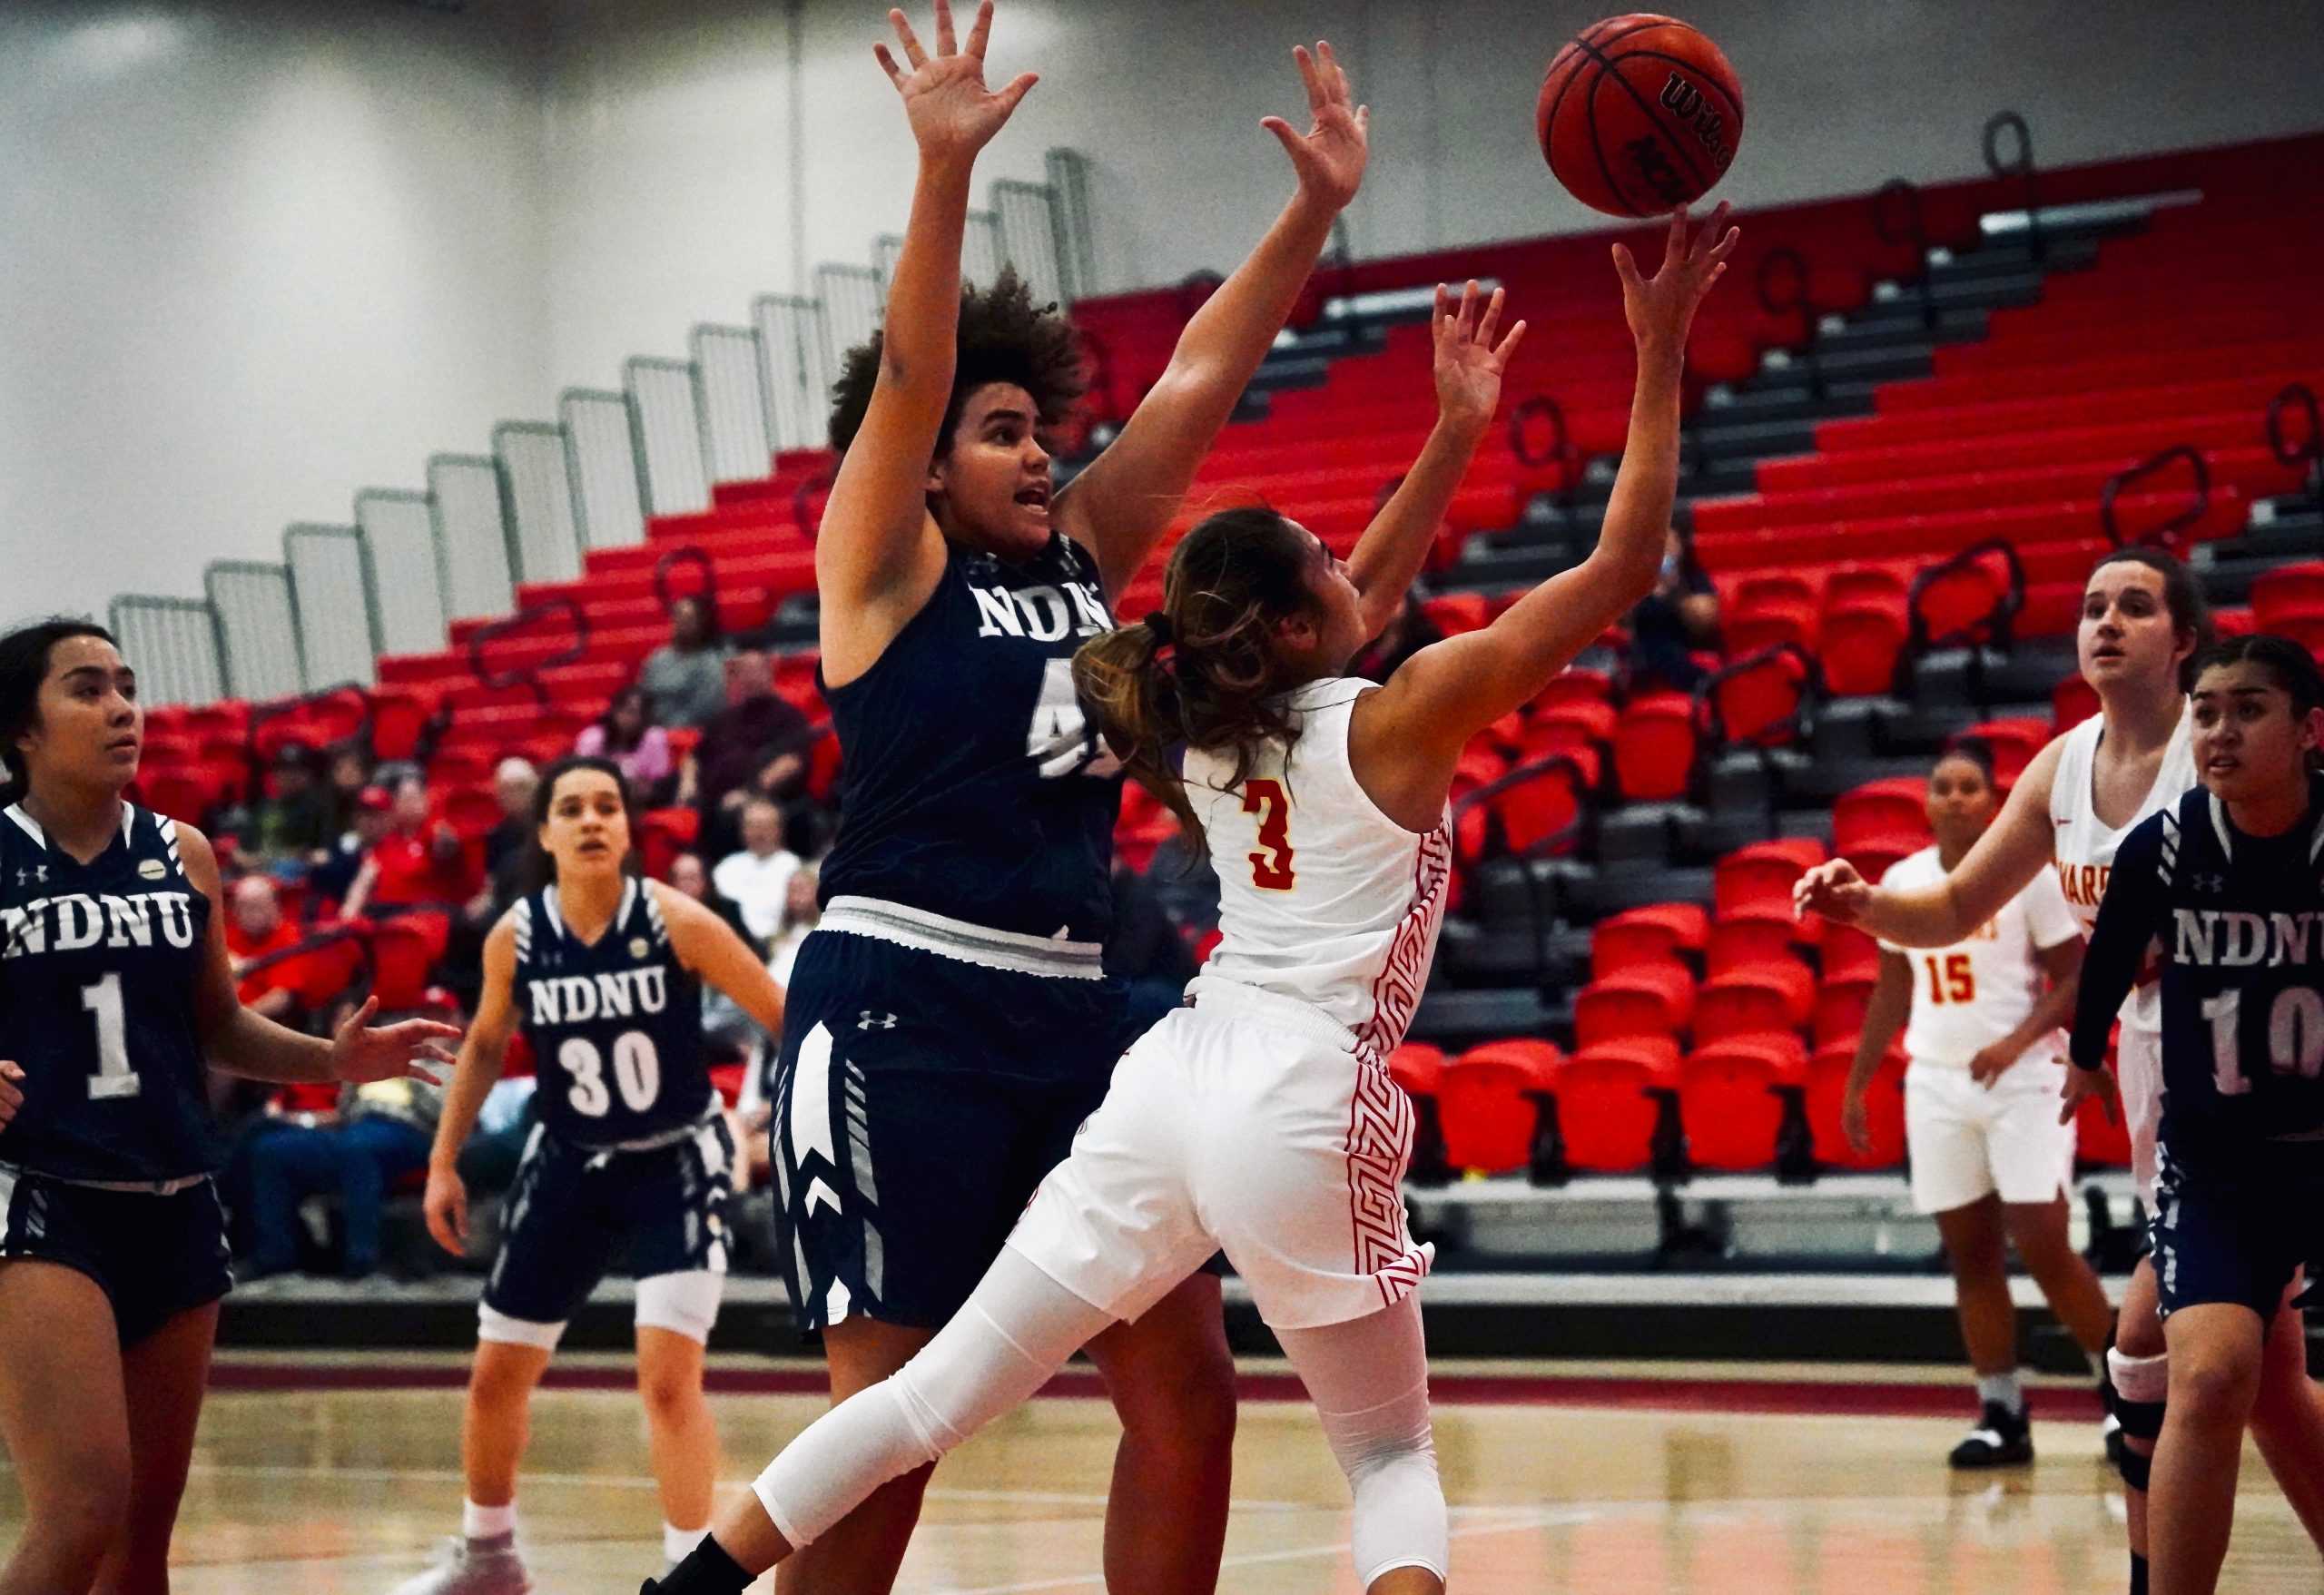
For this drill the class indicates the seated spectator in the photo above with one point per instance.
(756, 747)
(1408, 631)
(291, 826)
(759, 876)
(723, 1023)
(626, 734)
(1145, 951)
(420, 862)
(255, 929)
(349, 775)
(334, 878)
(802, 910)
(356, 1147)
(1681, 615)
(513, 782)
(685, 679)
(690, 875)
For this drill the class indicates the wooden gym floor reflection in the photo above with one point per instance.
(1657, 1486)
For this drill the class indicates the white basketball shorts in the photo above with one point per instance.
(1969, 1141)
(2138, 1071)
(1244, 1123)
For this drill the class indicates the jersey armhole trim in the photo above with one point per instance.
(1346, 761)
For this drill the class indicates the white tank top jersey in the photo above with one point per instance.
(1322, 897)
(2085, 846)
(1970, 995)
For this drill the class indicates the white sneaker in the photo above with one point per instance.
(473, 1567)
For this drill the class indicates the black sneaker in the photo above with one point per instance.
(2002, 1439)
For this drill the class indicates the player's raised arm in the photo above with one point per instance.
(2016, 848)
(1120, 507)
(1467, 372)
(879, 553)
(1447, 693)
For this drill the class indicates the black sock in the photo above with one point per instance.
(706, 1570)
(2138, 1575)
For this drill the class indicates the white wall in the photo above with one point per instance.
(259, 253)
(255, 256)
(674, 116)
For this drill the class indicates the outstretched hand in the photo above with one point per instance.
(952, 114)
(1469, 363)
(1832, 890)
(390, 1052)
(1330, 155)
(2088, 1082)
(1660, 309)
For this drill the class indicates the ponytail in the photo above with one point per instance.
(1202, 671)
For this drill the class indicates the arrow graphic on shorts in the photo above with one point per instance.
(817, 1191)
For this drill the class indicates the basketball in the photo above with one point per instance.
(1639, 114)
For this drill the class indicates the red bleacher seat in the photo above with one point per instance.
(1883, 1102)
(1575, 685)
(1841, 1002)
(2072, 702)
(471, 812)
(1769, 626)
(1760, 876)
(1484, 1103)
(1757, 698)
(1455, 613)
(2014, 742)
(2288, 590)
(1859, 643)
(397, 719)
(1654, 747)
(1732, 1098)
(1752, 935)
(1609, 1101)
(2098, 1141)
(1776, 995)
(1584, 725)
(1655, 999)
(1418, 1067)
(1658, 932)
(1541, 809)
(1894, 806)
(1874, 856)
(1847, 951)
(663, 835)
(402, 951)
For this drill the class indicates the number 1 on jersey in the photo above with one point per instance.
(1271, 865)
(113, 1078)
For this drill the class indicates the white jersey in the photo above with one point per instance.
(2084, 845)
(1970, 995)
(1323, 897)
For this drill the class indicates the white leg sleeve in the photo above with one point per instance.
(1369, 1380)
(1017, 1329)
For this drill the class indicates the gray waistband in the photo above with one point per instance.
(140, 1187)
(905, 926)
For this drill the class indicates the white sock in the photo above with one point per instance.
(679, 1544)
(488, 1523)
(2003, 1388)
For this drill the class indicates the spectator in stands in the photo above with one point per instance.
(255, 929)
(348, 775)
(685, 679)
(420, 861)
(626, 734)
(756, 747)
(334, 878)
(513, 782)
(1680, 616)
(377, 1135)
(1405, 635)
(802, 910)
(690, 875)
(723, 1023)
(1146, 950)
(291, 828)
(758, 877)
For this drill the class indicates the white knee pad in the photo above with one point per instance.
(2139, 1379)
(684, 1303)
(1017, 1330)
(1389, 1455)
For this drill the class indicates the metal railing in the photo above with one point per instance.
(2019, 165)
(736, 445)
(2167, 533)
(536, 491)
(1025, 216)
(332, 593)
(1069, 185)
(404, 554)
(258, 629)
(853, 298)
(528, 676)
(172, 642)
(1784, 289)
(1896, 221)
(601, 451)
(475, 533)
(795, 369)
(666, 428)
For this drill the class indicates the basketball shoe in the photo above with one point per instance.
(473, 1567)
(2002, 1439)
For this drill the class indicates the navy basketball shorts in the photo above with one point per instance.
(2237, 1230)
(920, 1101)
(154, 1254)
(576, 1213)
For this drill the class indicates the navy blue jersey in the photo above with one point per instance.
(2237, 924)
(975, 788)
(99, 963)
(615, 1025)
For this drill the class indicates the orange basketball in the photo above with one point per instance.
(1639, 114)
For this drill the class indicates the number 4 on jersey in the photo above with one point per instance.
(1271, 865)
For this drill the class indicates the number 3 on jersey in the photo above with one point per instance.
(1271, 864)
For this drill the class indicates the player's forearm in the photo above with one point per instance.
(2108, 972)
(1927, 916)
(1223, 345)
(1637, 511)
(1885, 1015)
(257, 1049)
(2053, 1011)
(473, 1078)
(918, 347)
(1394, 547)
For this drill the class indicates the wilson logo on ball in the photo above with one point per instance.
(1689, 104)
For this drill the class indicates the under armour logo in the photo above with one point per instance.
(37, 872)
(2209, 882)
(875, 1022)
